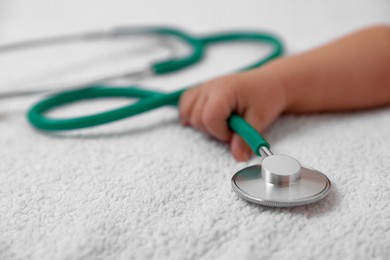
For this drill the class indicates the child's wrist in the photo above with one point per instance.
(276, 76)
(279, 69)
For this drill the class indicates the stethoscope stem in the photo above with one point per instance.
(264, 151)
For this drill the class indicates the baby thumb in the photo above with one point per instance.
(239, 148)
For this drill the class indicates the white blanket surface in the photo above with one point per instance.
(148, 188)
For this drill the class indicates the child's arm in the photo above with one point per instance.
(351, 73)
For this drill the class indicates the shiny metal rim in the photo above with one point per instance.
(320, 195)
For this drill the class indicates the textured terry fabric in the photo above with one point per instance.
(149, 188)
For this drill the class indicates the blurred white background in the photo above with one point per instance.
(301, 24)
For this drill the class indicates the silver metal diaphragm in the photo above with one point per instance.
(280, 181)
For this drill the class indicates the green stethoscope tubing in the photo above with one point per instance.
(149, 100)
(198, 47)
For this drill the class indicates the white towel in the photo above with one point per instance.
(148, 188)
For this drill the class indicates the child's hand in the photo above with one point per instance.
(258, 96)
(351, 73)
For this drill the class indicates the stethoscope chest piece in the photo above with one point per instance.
(280, 181)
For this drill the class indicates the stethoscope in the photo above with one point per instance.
(277, 181)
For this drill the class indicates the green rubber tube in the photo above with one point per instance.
(243, 36)
(148, 99)
(169, 66)
(198, 47)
